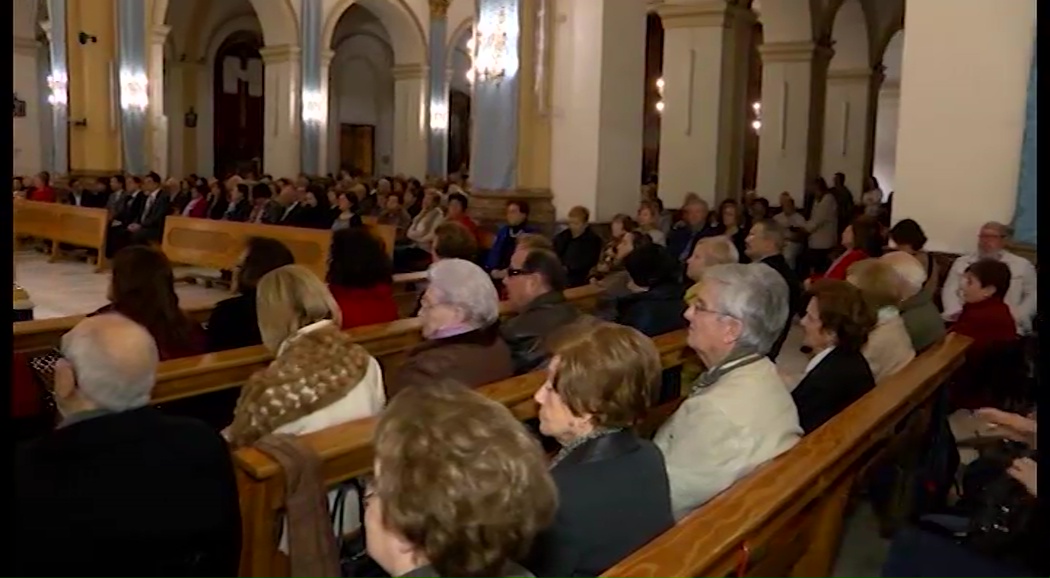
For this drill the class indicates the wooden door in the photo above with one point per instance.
(238, 104)
(357, 147)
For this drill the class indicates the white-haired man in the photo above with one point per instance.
(739, 413)
(459, 310)
(918, 311)
(122, 488)
(708, 252)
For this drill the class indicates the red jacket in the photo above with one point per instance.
(365, 306)
(200, 210)
(469, 223)
(43, 194)
(988, 323)
(841, 265)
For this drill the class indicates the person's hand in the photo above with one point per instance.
(1023, 470)
(1010, 425)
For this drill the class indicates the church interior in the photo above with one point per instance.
(525, 287)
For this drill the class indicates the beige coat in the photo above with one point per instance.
(889, 347)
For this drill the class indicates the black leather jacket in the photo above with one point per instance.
(524, 333)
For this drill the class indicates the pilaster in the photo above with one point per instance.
(410, 142)
(281, 110)
(438, 107)
(849, 124)
(95, 139)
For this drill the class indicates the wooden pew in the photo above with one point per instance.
(785, 519)
(388, 342)
(219, 244)
(58, 223)
(346, 453)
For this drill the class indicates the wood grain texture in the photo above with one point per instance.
(59, 223)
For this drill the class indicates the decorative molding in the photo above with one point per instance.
(159, 34)
(850, 75)
(409, 72)
(705, 14)
(26, 46)
(327, 56)
(439, 8)
(280, 54)
(794, 52)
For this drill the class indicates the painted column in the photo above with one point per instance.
(851, 109)
(28, 155)
(1027, 191)
(331, 122)
(135, 92)
(962, 123)
(495, 103)
(410, 137)
(596, 141)
(158, 119)
(282, 116)
(437, 125)
(703, 123)
(794, 79)
(57, 81)
(94, 87)
(314, 98)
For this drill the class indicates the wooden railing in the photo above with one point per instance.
(387, 342)
(785, 519)
(346, 453)
(62, 224)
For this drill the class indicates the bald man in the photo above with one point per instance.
(119, 488)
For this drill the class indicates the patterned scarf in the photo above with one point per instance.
(734, 360)
(593, 435)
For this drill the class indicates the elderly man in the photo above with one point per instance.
(460, 310)
(535, 289)
(739, 413)
(122, 488)
(920, 315)
(1021, 297)
(709, 252)
(693, 227)
(765, 244)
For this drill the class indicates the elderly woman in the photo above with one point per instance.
(836, 326)
(620, 225)
(461, 487)
(319, 377)
(612, 484)
(460, 311)
(889, 346)
(739, 414)
(921, 318)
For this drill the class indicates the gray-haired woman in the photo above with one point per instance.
(460, 311)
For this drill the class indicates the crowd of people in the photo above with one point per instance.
(460, 487)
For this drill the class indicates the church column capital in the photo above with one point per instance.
(46, 27)
(409, 72)
(159, 34)
(280, 54)
(439, 8)
(795, 52)
(26, 46)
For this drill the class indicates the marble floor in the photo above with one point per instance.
(72, 287)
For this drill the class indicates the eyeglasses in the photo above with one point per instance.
(701, 307)
(517, 272)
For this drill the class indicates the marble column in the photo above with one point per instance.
(95, 121)
(314, 97)
(962, 116)
(28, 155)
(410, 137)
(331, 122)
(57, 82)
(705, 116)
(851, 109)
(495, 102)
(134, 73)
(158, 120)
(281, 110)
(794, 79)
(598, 96)
(438, 112)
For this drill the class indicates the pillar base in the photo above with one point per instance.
(489, 207)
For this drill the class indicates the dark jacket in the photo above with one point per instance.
(511, 570)
(795, 305)
(922, 320)
(578, 254)
(524, 333)
(654, 312)
(474, 359)
(503, 246)
(838, 380)
(238, 212)
(296, 215)
(234, 323)
(613, 497)
(136, 493)
(217, 206)
(683, 239)
(152, 218)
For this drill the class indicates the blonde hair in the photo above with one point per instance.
(290, 298)
(878, 281)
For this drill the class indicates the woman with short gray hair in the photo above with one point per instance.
(739, 414)
(460, 314)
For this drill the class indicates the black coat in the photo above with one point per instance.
(613, 497)
(525, 332)
(654, 312)
(234, 323)
(578, 254)
(795, 305)
(136, 493)
(838, 380)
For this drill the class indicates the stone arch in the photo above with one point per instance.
(850, 33)
(460, 18)
(784, 21)
(456, 37)
(886, 122)
(239, 23)
(408, 38)
(278, 19)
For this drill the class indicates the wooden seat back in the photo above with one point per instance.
(346, 453)
(59, 223)
(785, 518)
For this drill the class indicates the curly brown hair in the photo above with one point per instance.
(452, 240)
(843, 311)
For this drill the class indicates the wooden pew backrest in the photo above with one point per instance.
(59, 223)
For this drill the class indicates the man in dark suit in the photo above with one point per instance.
(765, 244)
(149, 227)
(125, 489)
(290, 211)
(686, 233)
(128, 210)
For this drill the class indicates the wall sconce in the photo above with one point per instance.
(660, 92)
(190, 121)
(314, 107)
(134, 91)
(438, 117)
(756, 124)
(495, 46)
(58, 84)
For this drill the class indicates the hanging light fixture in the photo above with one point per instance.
(660, 92)
(756, 124)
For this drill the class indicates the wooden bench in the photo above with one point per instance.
(346, 453)
(218, 245)
(63, 224)
(785, 519)
(387, 342)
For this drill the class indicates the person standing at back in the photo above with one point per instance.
(119, 487)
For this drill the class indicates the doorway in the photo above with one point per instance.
(357, 147)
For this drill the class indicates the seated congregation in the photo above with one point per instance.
(459, 484)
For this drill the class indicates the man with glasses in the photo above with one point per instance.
(1021, 296)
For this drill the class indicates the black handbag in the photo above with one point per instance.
(353, 553)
